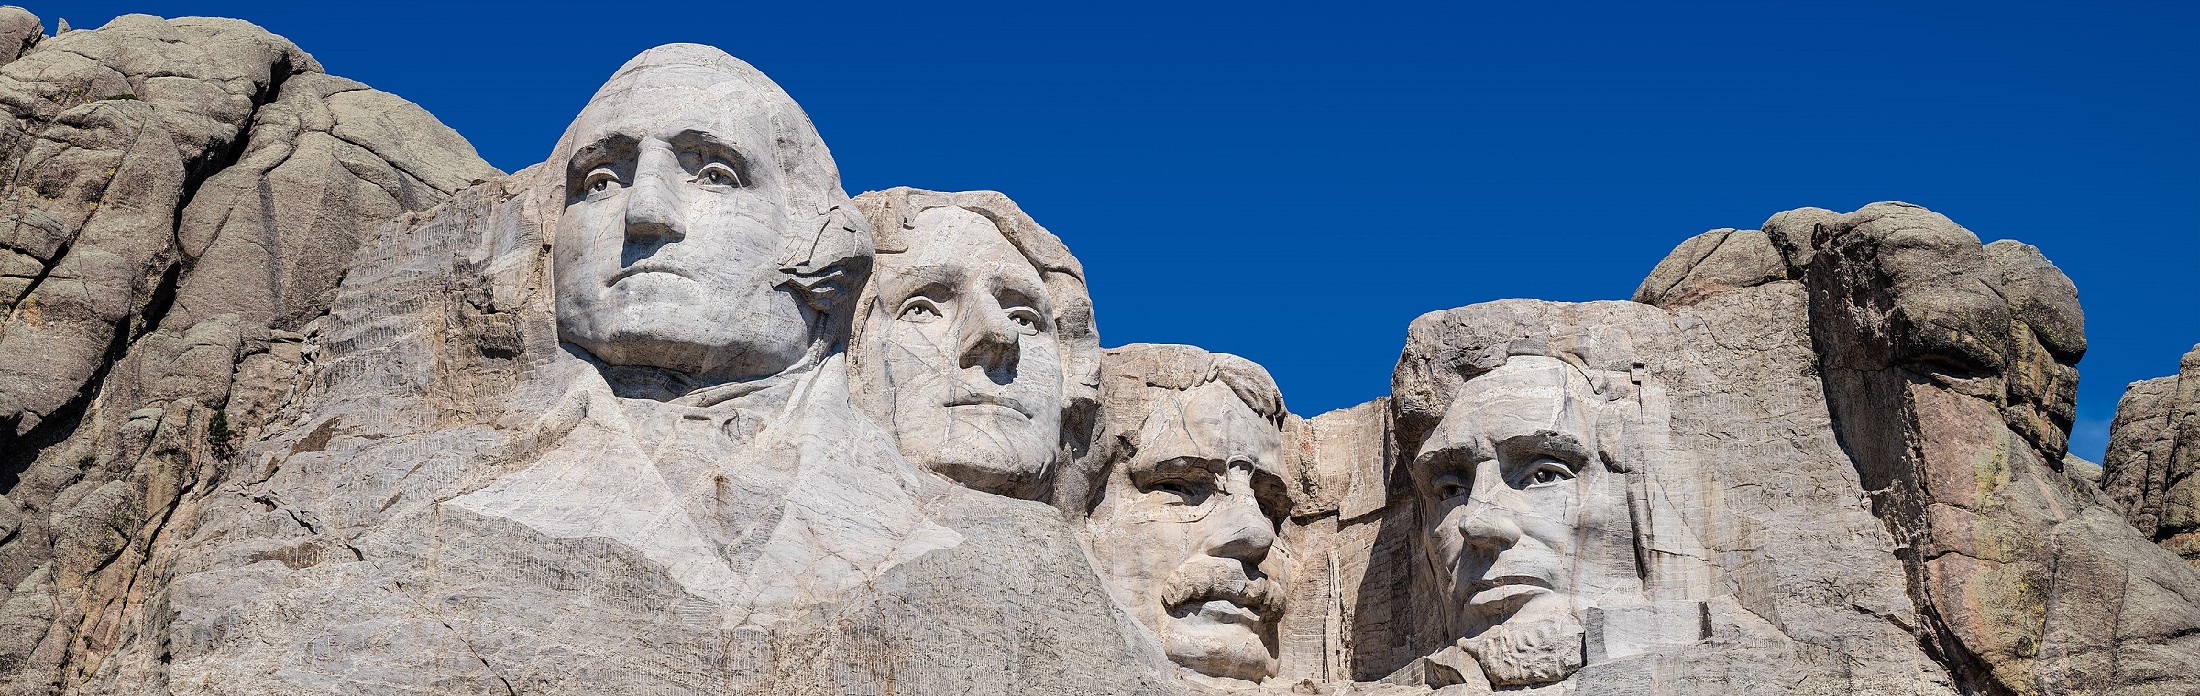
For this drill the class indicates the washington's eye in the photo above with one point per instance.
(918, 310)
(599, 181)
(717, 174)
(1547, 472)
(1026, 320)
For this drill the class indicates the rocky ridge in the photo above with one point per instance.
(283, 358)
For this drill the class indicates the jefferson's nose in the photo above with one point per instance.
(1237, 529)
(988, 342)
(1484, 521)
(654, 213)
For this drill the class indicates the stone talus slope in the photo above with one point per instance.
(2153, 454)
(181, 198)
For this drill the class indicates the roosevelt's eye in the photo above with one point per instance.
(1451, 486)
(1026, 320)
(600, 181)
(1180, 491)
(717, 174)
(918, 310)
(1546, 472)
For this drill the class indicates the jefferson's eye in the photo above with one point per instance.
(1026, 320)
(918, 310)
(717, 174)
(1547, 472)
(599, 181)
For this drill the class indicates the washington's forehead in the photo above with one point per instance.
(665, 111)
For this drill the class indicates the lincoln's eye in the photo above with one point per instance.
(919, 310)
(1548, 472)
(1451, 486)
(717, 174)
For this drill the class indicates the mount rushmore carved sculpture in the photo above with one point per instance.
(300, 396)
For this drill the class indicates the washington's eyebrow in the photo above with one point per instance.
(709, 143)
(601, 152)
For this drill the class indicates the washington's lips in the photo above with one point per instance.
(646, 267)
(985, 399)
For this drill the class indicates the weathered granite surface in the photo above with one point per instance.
(300, 396)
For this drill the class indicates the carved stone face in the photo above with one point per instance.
(675, 212)
(962, 334)
(1185, 531)
(1511, 486)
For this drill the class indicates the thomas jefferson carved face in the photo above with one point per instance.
(962, 332)
(1511, 487)
(676, 210)
(1185, 531)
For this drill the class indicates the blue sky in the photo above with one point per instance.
(1294, 182)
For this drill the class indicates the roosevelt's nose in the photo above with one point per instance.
(654, 214)
(1484, 521)
(988, 341)
(1238, 530)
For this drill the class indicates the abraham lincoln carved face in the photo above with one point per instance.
(1519, 511)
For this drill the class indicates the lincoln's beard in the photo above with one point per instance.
(1518, 653)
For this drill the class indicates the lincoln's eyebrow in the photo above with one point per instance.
(1563, 446)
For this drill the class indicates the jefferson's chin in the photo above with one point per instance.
(993, 461)
(1528, 651)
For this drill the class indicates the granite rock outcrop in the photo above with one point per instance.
(298, 395)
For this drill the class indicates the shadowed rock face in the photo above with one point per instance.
(297, 395)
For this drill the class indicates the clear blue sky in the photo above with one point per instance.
(1295, 182)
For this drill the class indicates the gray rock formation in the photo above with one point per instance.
(299, 396)
(184, 197)
(2153, 452)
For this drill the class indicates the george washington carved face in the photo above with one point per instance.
(688, 180)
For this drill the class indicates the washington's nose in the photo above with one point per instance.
(1238, 530)
(653, 210)
(1484, 521)
(988, 342)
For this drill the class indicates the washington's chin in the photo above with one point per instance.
(1221, 642)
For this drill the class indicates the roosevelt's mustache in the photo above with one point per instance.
(1208, 578)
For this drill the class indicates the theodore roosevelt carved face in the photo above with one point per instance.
(1184, 523)
(693, 189)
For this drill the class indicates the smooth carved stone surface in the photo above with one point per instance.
(300, 396)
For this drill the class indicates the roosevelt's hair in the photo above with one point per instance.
(1133, 379)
